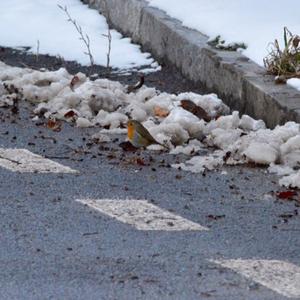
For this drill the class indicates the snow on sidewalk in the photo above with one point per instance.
(256, 23)
(103, 103)
(27, 23)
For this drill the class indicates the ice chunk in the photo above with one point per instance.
(248, 123)
(261, 153)
(83, 122)
(292, 180)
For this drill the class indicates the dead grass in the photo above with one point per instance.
(285, 62)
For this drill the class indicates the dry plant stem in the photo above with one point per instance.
(284, 62)
(37, 50)
(84, 37)
(109, 49)
(109, 38)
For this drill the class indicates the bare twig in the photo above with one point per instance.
(37, 50)
(83, 36)
(109, 38)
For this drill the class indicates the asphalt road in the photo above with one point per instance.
(56, 247)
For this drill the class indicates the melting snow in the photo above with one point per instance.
(103, 103)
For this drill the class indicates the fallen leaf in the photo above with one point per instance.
(73, 82)
(215, 217)
(195, 110)
(140, 162)
(54, 125)
(286, 195)
(137, 86)
(127, 146)
(160, 112)
(70, 114)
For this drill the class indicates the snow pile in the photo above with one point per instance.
(278, 148)
(43, 27)
(234, 139)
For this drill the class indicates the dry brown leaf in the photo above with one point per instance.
(286, 195)
(127, 146)
(137, 86)
(71, 115)
(195, 110)
(73, 82)
(54, 125)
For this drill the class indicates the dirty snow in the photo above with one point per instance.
(228, 138)
(29, 23)
(233, 20)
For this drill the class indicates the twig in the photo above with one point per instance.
(56, 157)
(109, 37)
(37, 50)
(83, 36)
(89, 233)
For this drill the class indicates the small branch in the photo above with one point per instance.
(37, 50)
(109, 38)
(84, 37)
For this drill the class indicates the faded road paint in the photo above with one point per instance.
(280, 276)
(22, 160)
(142, 215)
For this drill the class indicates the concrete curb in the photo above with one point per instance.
(241, 83)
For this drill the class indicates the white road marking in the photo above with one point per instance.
(142, 215)
(22, 160)
(277, 275)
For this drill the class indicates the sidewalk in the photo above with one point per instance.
(241, 83)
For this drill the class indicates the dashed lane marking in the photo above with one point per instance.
(142, 215)
(22, 160)
(280, 276)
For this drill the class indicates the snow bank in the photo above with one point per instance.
(106, 104)
(43, 27)
(233, 20)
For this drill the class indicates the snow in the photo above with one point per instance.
(192, 147)
(291, 180)
(32, 22)
(294, 82)
(228, 138)
(234, 20)
(199, 164)
(261, 153)
(83, 122)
